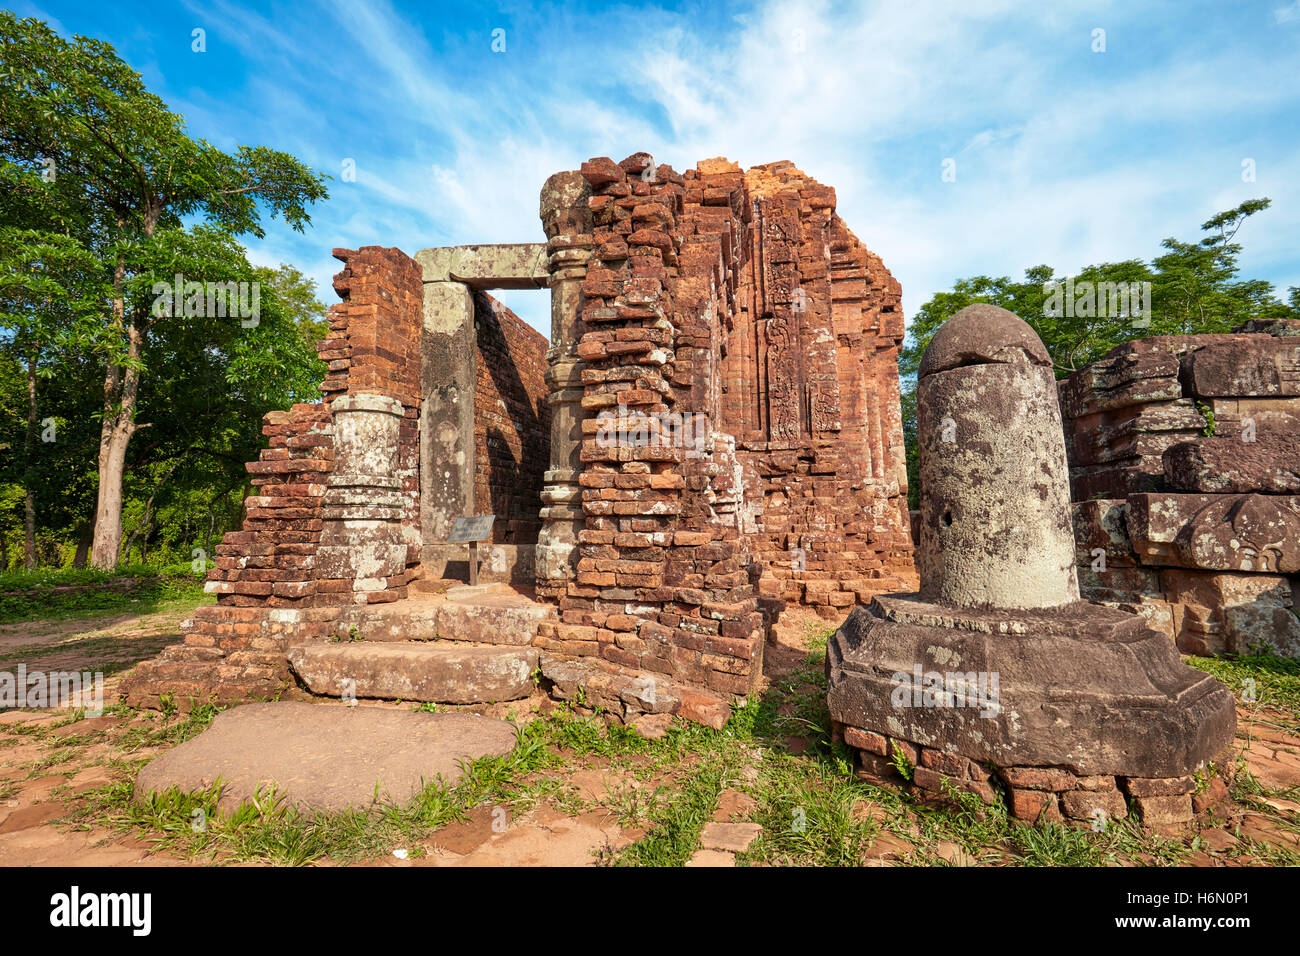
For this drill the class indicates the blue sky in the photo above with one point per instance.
(1062, 155)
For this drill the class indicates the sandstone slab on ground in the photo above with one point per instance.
(711, 858)
(326, 756)
(730, 837)
(547, 838)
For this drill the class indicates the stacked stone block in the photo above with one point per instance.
(1185, 471)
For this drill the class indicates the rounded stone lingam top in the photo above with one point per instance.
(996, 530)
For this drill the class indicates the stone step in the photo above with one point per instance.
(441, 672)
(483, 619)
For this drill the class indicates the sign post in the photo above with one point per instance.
(471, 531)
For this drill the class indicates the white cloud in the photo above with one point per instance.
(1064, 156)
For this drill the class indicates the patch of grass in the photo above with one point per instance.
(170, 732)
(1263, 854)
(52, 759)
(794, 706)
(985, 830)
(53, 594)
(676, 821)
(809, 811)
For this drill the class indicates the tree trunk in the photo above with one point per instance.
(29, 451)
(121, 385)
(113, 439)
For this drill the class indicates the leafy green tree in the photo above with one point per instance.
(74, 111)
(47, 287)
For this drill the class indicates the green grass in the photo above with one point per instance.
(677, 820)
(35, 595)
(812, 807)
(808, 814)
(171, 733)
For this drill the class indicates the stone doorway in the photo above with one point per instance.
(485, 423)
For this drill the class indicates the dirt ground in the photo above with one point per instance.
(592, 805)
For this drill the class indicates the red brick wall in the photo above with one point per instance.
(267, 586)
(811, 392)
(512, 421)
(688, 307)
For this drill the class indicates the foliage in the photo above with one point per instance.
(46, 593)
(105, 200)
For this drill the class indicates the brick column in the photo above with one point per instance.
(566, 218)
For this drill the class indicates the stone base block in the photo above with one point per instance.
(1082, 687)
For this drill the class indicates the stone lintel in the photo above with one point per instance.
(517, 265)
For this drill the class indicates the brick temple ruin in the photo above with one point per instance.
(711, 433)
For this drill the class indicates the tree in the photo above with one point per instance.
(75, 110)
(47, 286)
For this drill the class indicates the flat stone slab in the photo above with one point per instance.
(491, 616)
(326, 756)
(445, 672)
(518, 265)
(1227, 464)
(729, 837)
(711, 858)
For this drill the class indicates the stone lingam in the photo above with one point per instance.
(996, 676)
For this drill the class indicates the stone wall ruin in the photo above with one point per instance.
(1185, 473)
(712, 432)
(734, 308)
